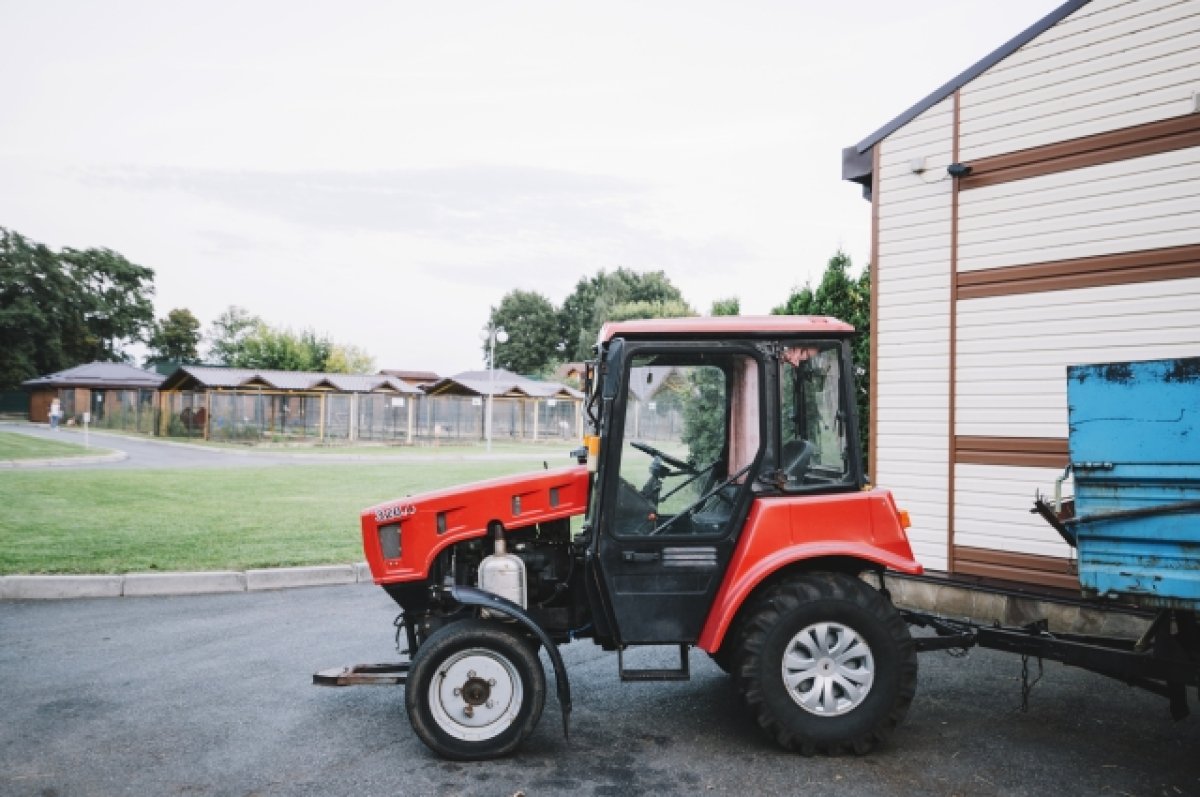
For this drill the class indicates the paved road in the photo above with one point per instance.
(152, 453)
(211, 695)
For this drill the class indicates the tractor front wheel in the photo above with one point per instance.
(827, 665)
(475, 690)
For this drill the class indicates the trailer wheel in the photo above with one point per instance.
(475, 690)
(827, 665)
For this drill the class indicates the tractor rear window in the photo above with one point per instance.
(813, 447)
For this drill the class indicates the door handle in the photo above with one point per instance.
(640, 556)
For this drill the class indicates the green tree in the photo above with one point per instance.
(844, 297)
(175, 339)
(532, 327)
(59, 309)
(630, 311)
(242, 340)
(349, 359)
(729, 306)
(610, 296)
(115, 306)
(704, 407)
(32, 286)
(279, 349)
(704, 416)
(228, 333)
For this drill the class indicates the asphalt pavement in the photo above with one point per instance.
(212, 694)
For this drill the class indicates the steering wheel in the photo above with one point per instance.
(677, 464)
(702, 500)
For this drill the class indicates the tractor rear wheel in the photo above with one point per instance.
(827, 665)
(475, 690)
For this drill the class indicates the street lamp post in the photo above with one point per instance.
(493, 335)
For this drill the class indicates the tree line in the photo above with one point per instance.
(63, 308)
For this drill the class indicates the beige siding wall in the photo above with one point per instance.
(913, 328)
(1012, 351)
(1113, 64)
(1127, 206)
(991, 509)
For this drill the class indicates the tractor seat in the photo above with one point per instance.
(795, 458)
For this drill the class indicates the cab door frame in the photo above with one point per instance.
(659, 589)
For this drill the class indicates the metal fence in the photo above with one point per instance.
(258, 416)
(129, 410)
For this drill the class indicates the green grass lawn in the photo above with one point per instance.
(23, 446)
(109, 521)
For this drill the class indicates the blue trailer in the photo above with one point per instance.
(1135, 456)
(1134, 521)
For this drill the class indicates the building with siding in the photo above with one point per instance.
(1039, 210)
(116, 395)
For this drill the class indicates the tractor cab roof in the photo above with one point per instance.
(767, 326)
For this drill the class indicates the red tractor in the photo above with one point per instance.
(719, 502)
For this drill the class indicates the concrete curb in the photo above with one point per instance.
(152, 584)
(64, 462)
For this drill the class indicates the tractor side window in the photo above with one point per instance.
(813, 447)
(691, 432)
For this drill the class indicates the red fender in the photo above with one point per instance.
(780, 531)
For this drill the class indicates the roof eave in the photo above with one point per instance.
(852, 166)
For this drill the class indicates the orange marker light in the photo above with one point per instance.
(905, 521)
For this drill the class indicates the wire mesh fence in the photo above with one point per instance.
(264, 416)
(129, 410)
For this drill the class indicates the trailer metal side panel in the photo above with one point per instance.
(1135, 452)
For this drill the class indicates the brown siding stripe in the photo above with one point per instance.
(952, 382)
(1026, 568)
(1027, 452)
(1179, 132)
(1150, 265)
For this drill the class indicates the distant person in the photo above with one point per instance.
(55, 414)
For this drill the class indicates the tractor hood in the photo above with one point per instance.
(402, 538)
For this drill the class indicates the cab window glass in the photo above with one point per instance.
(813, 446)
(691, 433)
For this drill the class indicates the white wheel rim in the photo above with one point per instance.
(475, 695)
(828, 669)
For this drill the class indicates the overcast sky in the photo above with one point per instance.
(384, 172)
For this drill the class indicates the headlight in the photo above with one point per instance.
(389, 540)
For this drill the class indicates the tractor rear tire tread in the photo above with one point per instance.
(795, 604)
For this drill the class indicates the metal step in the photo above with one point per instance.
(682, 674)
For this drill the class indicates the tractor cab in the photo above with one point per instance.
(696, 421)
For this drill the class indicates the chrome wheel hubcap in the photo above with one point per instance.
(828, 669)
